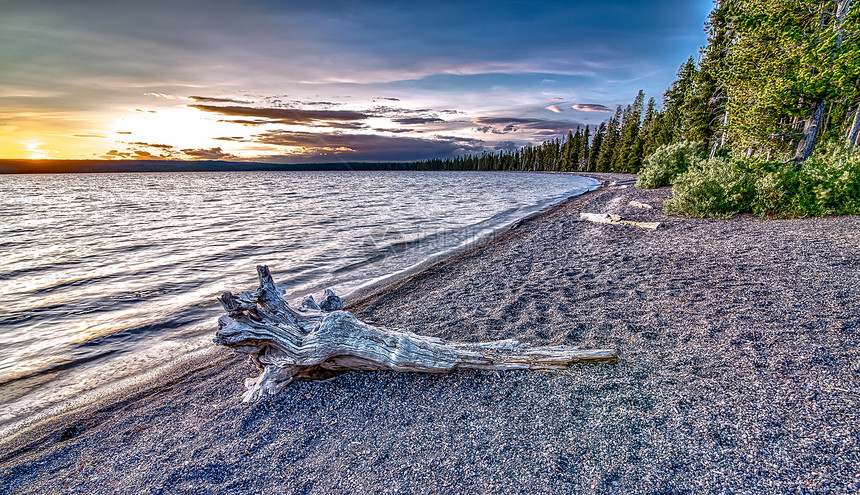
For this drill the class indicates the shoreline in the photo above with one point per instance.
(738, 338)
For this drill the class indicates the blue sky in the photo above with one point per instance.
(324, 80)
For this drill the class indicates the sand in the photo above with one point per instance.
(740, 360)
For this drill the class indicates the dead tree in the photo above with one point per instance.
(320, 341)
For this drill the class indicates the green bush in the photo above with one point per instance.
(711, 188)
(666, 163)
(828, 183)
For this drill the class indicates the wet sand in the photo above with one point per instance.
(740, 360)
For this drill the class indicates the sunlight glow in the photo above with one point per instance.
(34, 151)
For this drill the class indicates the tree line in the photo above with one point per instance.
(776, 79)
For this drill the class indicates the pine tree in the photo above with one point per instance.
(650, 128)
(575, 149)
(610, 141)
(596, 147)
(584, 150)
(628, 158)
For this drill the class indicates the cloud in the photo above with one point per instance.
(283, 115)
(503, 125)
(396, 131)
(368, 147)
(123, 132)
(506, 146)
(554, 109)
(153, 145)
(590, 107)
(246, 122)
(417, 120)
(209, 99)
(238, 139)
(208, 154)
(341, 125)
(165, 96)
(100, 136)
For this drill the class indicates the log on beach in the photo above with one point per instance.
(320, 341)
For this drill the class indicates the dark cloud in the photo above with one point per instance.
(503, 125)
(389, 111)
(153, 145)
(417, 120)
(283, 115)
(284, 101)
(134, 154)
(208, 154)
(209, 99)
(123, 132)
(506, 146)
(341, 125)
(591, 107)
(238, 139)
(384, 98)
(319, 103)
(144, 111)
(369, 147)
(246, 122)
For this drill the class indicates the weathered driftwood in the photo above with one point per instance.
(644, 206)
(610, 219)
(319, 341)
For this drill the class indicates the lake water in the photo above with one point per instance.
(106, 277)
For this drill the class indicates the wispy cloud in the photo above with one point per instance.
(554, 109)
(504, 125)
(591, 107)
(417, 120)
(209, 99)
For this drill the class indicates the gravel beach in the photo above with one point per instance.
(739, 373)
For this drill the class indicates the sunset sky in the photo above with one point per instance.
(324, 81)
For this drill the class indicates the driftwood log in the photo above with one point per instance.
(611, 219)
(320, 341)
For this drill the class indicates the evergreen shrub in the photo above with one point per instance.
(666, 163)
(828, 183)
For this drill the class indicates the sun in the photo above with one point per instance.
(34, 151)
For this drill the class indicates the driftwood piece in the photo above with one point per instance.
(610, 219)
(319, 341)
(644, 206)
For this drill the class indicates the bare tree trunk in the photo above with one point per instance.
(722, 142)
(853, 135)
(320, 341)
(810, 131)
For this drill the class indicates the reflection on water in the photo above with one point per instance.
(119, 271)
